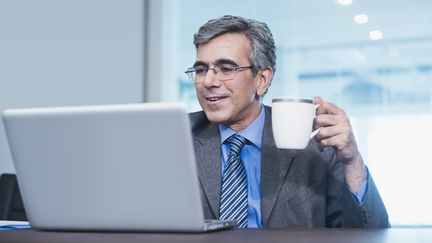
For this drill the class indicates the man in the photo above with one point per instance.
(243, 175)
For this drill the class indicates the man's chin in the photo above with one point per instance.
(216, 116)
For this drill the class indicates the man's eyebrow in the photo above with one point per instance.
(225, 61)
(200, 63)
(217, 62)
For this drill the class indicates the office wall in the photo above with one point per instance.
(69, 52)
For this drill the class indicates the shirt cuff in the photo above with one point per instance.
(359, 195)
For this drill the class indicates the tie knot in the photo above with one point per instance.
(236, 143)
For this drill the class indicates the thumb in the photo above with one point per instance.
(319, 101)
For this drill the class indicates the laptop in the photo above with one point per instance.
(108, 168)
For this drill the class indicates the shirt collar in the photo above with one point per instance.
(253, 132)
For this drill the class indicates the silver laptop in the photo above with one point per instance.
(112, 167)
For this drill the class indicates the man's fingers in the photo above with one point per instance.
(326, 132)
(340, 141)
(327, 107)
(330, 120)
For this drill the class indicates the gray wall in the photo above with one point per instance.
(69, 52)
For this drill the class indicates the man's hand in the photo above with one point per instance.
(336, 131)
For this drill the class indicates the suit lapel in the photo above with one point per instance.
(274, 168)
(208, 151)
(275, 164)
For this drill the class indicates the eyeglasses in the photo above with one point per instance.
(223, 72)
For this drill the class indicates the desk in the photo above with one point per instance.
(409, 235)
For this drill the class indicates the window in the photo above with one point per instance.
(376, 66)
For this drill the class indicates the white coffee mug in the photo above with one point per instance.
(292, 121)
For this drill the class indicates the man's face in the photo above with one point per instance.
(232, 102)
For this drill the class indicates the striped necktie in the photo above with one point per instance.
(234, 195)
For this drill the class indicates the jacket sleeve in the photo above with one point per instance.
(343, 208)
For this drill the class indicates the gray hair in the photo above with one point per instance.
(263, 48)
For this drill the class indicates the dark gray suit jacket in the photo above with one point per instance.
(299, 188)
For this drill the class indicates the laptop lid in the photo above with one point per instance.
(111, 167)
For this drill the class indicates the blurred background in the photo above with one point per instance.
(372, 58)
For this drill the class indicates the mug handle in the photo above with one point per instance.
(318, 129)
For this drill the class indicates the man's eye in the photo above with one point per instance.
(200, 70)
(227, 68)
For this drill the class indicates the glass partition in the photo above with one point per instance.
(372, 58)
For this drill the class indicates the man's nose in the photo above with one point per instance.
(211, 79)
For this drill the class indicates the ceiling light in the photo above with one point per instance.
(344, 2)
(375, 35)
(361, 18)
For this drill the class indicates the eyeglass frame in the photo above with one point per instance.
(190, 71)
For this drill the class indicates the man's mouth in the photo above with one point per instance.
(215, 98)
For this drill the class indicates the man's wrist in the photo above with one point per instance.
(355, 174)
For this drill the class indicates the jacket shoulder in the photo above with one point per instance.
(198, 121)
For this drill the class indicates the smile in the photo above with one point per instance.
(214, 98)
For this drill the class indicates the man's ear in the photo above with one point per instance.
(264, 77)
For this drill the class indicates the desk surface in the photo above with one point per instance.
(410, 235)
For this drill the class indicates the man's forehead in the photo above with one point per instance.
(229, 46)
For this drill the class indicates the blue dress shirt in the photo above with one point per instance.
(251, 156)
